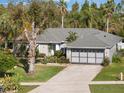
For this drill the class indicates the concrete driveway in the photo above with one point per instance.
(73, 79)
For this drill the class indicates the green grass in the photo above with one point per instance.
(25, 89)
(110, 72)
(42, 73)
(107, 88)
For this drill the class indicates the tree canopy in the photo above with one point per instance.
(15, 17)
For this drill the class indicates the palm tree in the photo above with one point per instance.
(109, 9)
(6, 27)
(16, 13)
(74, 14)
(63, 10)
(31, 33)
(75, 7)
(32, 45)
(122, 5)
(118, 8)
(72, 37)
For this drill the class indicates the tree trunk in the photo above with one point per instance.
(91, 21)
(62, 21)
(32, 46)
(31, 56)
(6, 45)
(31, 67)
(90, 24)
(107, 24)
(14, 48)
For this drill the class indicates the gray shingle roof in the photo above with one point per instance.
(87, 37)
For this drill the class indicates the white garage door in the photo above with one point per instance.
(75, 56)
(99, 57)
(91, 56)
(83, 56)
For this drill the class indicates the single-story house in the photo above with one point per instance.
(90, 47)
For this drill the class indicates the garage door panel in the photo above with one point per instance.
(91, 54)
(87, 56)
(99, 60)
(83, 60)
(83, 54)
(91, 60)
(76, 54)
(100, 55)
(75, 59)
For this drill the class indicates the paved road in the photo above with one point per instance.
(73, 79)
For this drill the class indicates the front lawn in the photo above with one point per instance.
(42, 73)
(25, 89)
(107, 88)
(110, 72)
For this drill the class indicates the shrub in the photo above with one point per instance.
(7, 61)
(21, 51)
(63, 60)
(121, 52)
(37, 53)
(51, 59)
(116, 59)
(59, 54)
(106, 61)
(10, 83)
(42, 55)
(54, 59)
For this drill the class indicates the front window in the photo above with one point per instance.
(51, 49)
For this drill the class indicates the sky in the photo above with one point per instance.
(69, 2)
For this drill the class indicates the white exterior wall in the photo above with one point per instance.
(43, 48)
(107, 52)
(57, 47)
(110, 52)
(68, 54)
(113, 51)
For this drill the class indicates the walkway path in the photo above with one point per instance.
(73, 79)
(107, 82)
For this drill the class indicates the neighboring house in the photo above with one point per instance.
(121, 44)
(91, 46)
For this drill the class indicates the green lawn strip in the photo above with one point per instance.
(110, 73)
(42, 73)
(25, 89)
(107, 88)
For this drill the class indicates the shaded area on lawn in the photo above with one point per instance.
(107, 88)
(25, 89)
(2, 74)
(24, 64)
(111, 72)
(42, 73)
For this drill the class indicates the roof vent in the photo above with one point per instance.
(104, 35)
